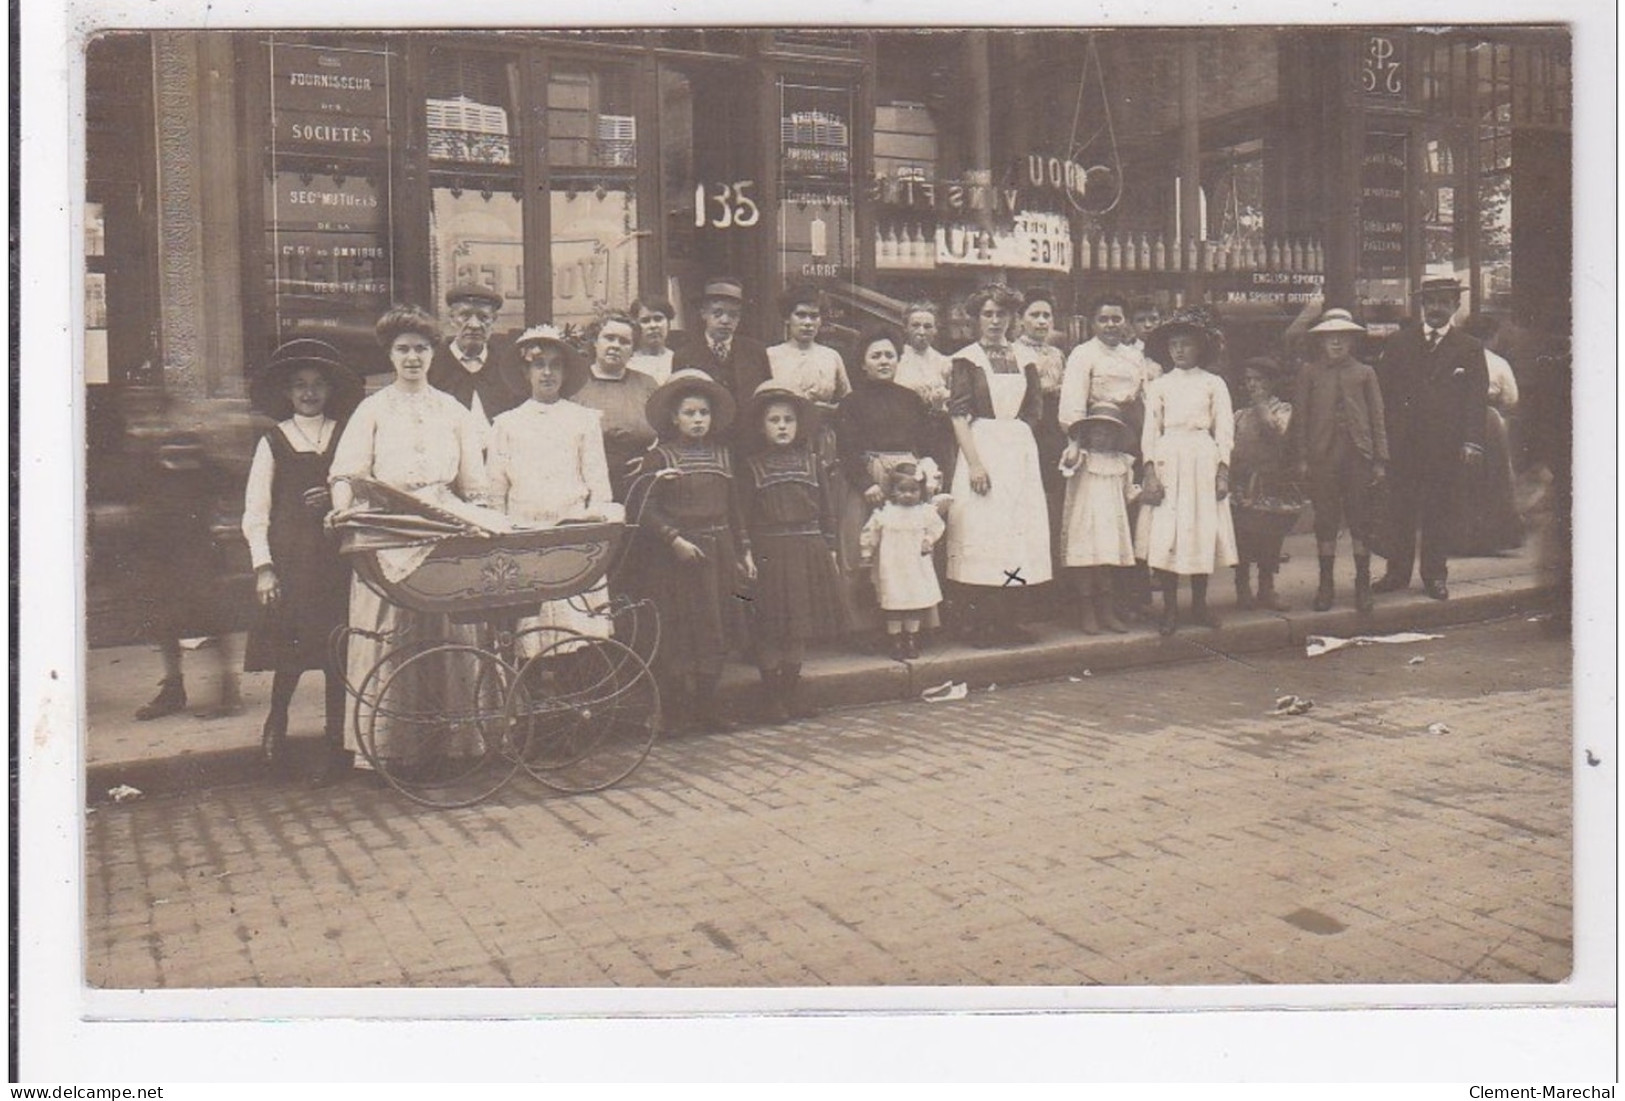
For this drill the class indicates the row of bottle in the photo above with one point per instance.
(910, 247)
(914, 247)
(1131, 252)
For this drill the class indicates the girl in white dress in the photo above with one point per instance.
(547, 465)
(1188, 435)
(897, 541)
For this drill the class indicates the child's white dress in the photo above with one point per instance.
(898, 539)
(1094, 521)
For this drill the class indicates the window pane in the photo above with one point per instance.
(595, 252)
(590, 122)
(470, 108)
(479, 239)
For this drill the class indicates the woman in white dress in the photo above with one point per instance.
(998, 525)
(1189, 431)
(547, 465)
(421, 440)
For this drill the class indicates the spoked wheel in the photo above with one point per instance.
(439, 730)
(587, 712)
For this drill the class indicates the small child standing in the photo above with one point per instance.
(694, 513)
(300, 581)
(897, 541)
(791, 519)
(1342, 448)
(1266, 500)
(1096, 536)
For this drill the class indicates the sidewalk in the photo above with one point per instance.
(180, 751)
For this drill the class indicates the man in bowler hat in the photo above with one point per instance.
(478, 369)
(737, 361)
(1435, 386)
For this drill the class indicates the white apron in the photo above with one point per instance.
(1000, 538)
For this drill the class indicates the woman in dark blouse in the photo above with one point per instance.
(880, 424)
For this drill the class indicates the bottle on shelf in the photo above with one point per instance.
(1086, 252)
(1191, 259)
(1300, 261)
(1176, 256)
(1275, 254)
(885, 248)
(1114, 254)
(1317, 258)
(1142, 254)
(1159, 254)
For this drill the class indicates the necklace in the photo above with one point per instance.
(321, 432)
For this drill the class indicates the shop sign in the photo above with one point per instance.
(1065, 176)
(946, 196)
(1382, 205)
(329, 100)
(1294, 287)
(1035, 241)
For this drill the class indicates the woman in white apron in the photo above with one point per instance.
(998, 525)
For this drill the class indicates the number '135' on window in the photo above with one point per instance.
(725, 205)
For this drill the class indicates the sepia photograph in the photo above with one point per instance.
(754, 516)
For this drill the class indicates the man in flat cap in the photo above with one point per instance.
(1435, 387)
(477, 369)
(737, 361)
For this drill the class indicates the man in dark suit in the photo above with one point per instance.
(476, 368)
(738, 362)
(1434, 390)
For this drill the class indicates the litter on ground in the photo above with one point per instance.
(123, 792)
(1316, 645)
(946, 691)
(1292, 705)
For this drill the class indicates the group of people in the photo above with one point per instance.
(783, 500)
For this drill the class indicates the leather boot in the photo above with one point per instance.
(1266, 592)
(773, 709)
(1244, 586)
(1201, 614)
(1089, 614)
(1108, 614)
(1325, 593)
(274, 742)
(1363, 601)
(794, 701)
(1169, 623)
(170, 700)
(707, 718)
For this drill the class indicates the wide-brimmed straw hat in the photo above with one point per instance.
(269, 391)
(1188, 321)
(1105, 412)
(662, 404)
(1337, 321)
(770, 392)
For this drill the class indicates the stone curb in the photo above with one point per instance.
(853, 681)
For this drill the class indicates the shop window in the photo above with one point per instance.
(818, 237)
(1495, 208)
(592, 163)
(95, 295)
(1442, 253)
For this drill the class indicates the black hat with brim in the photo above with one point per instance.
(1186, 322)
(662, 404)
(269, 391)
(773, 392)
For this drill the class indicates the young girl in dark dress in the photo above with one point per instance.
(701, 552)
(300, 581)
(790, 516)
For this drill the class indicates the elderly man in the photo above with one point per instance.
(738, 362)
(477, 369)
(1435, 387)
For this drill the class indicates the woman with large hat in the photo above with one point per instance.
(698, 549)
(1189, 431)
(546, 464)
(300, 582)
(998, 526)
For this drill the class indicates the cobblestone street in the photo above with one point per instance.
(1140, 827)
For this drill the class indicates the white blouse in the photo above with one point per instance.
(817, 373)
(547, 463)
(927, 373)
(1095, 371)
(414, 440)
(1188, 400)
(657, 367)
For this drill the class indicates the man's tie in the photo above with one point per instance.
(720, 348)
(1434, 336)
